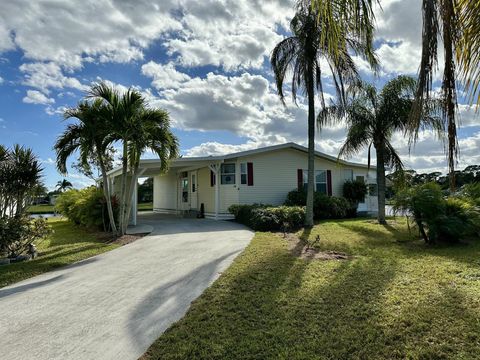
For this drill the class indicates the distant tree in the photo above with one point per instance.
(145, 190)
(63, 185)
(20, 174)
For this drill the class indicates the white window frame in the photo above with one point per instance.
(232, 174)
(305, 180)
(243, 173)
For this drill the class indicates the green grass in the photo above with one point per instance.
(395, 299)
(41, 209)
(67, 244)
(145, 206)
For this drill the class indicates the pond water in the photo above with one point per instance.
(48, 215)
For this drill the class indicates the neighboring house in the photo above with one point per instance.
(262, 175)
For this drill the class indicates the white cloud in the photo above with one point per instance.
(1, 80)
(215, 148)
(44, 76)
(36, 97)
(164, 76)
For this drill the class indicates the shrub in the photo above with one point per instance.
(324, 206)
(354, 191)
(472, 192)
(19, 231)
(243, 213)
(269, 218)
(438, 218)
(85, 207)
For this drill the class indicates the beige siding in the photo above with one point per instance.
(206, 193)
(275, 174)
(164, 191)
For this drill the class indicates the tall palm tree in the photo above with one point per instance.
(90, 136)
(372, 118)
(138, 128)
(152, 133)
(302, 54)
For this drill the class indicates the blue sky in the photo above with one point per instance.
(205, 62)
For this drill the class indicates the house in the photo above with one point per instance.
(263, 175)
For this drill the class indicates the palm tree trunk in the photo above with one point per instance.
(131, 189)
(311, 147)
(123, 189)
(380, 148)
(106, 193)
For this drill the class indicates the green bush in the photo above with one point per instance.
(85, 207)
(324, 206)
(354, 191)
(269, 218)
(472, 192)
(19, 231)
(243, 213)
(437, 217)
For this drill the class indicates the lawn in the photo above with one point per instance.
(67, 244)
(41, 209)
(145, 206)
(395, 299)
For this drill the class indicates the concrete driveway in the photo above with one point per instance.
(113, 306)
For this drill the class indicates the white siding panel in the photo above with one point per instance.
(165, 191)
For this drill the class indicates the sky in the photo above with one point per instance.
(206, 62)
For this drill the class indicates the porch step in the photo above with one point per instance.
(190, 214)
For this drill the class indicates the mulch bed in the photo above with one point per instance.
(122, 240)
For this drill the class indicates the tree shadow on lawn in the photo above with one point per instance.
(272, 305)
(438, 323)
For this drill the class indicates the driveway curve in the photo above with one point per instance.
(114, 305)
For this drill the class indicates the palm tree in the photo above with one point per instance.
(63, 185)
(301, 54)
(372, 118)
(457, 24)
(468, 52)
(138, 128)
(90, 136)
(153, 133)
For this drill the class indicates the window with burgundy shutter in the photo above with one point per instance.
(250, 174)
(246, 174)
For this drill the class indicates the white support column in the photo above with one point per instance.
(216, 170)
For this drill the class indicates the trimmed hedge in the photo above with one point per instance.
(269, 218)
(324, 207)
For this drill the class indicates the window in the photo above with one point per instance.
(185, 189)
(320, 180)
(348, 174)
(243, 173)
(227, 174)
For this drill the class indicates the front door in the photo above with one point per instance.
(184, 195)
(194, 190)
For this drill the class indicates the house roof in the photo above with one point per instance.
(189, 161)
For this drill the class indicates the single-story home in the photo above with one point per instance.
(263, 175)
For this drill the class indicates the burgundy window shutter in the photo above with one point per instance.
(212, 178)
(249, 174)
(300, 179)
(329, 182)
